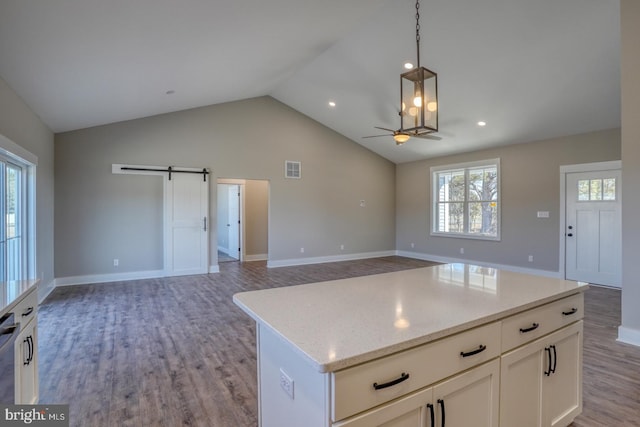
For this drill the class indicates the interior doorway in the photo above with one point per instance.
(592, 227)
(229, 222)
(242, 220)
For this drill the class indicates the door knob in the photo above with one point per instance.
(571, 227)
(570, 234)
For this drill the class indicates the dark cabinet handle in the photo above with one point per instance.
(529, 329)
(25, 360)
(27, 312)
(403, 377)
(31, 349)
(441, 403)
(548, 350)
(432, 414)
(570, 312)
(29, 358)
(555, 360)
(474, 352)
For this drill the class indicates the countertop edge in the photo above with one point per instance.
(349, 362)
(33, 287)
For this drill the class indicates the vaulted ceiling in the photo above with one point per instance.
(532, 70)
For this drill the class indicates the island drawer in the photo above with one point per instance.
(361, 387)
(26, 309)
(537, 322)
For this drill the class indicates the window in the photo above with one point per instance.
(466, 200)
(17, 218)
(599, 189)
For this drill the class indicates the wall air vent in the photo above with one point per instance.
(292, 169)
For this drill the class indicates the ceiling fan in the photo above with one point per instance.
(401, 136)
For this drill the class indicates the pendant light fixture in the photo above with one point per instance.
(418, 97)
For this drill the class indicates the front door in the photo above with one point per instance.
(186, 225)
(593, 227)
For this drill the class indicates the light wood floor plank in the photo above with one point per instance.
(178, 352)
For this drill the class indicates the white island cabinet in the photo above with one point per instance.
(453, 345)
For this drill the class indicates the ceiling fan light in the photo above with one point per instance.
(432, 106)
(401, 138)
(417, 101)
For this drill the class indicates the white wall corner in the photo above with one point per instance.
(628, 336)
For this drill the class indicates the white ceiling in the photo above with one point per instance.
(532, 70)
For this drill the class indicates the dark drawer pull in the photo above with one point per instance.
(403, 377)
(570, 312)
(529, 329)
(28, 311)
(474, 352)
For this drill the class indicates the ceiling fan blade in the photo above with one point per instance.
(388, 130)
(377, 136)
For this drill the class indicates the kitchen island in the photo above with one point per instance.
(408, 347)
(19, 306)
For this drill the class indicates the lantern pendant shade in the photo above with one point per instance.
(419, 101)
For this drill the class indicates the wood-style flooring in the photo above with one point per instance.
(178, 352)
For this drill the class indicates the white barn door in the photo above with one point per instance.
(593, 227)
(186, 225)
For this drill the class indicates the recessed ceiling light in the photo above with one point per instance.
(481, 123)
(332, 104)
(408, 65)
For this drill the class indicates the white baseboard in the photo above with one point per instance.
(447, 260)
(214, 268)
(103, 278)
(628, 335)
(330, 258)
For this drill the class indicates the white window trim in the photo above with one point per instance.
(29, 162)
(434, 189)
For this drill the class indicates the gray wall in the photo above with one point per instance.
(19, 124)
(630, 22)
(530, 182)
(98, 215)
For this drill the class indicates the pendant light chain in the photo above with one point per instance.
(418, 30)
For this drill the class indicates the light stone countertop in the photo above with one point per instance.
(14, 291)
(341, 323)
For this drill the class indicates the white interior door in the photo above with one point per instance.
(233, 224)
(186, 223)
(593, 227)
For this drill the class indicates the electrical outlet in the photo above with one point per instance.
(301, 250)
(462, 250)
(286, 383)
(116, 262)
(530, 258)
(413, 245)
(342, 247)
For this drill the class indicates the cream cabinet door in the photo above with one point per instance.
(469, 399)
(413, 410)
(541, 382)
(26, 357)
(562, 389)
